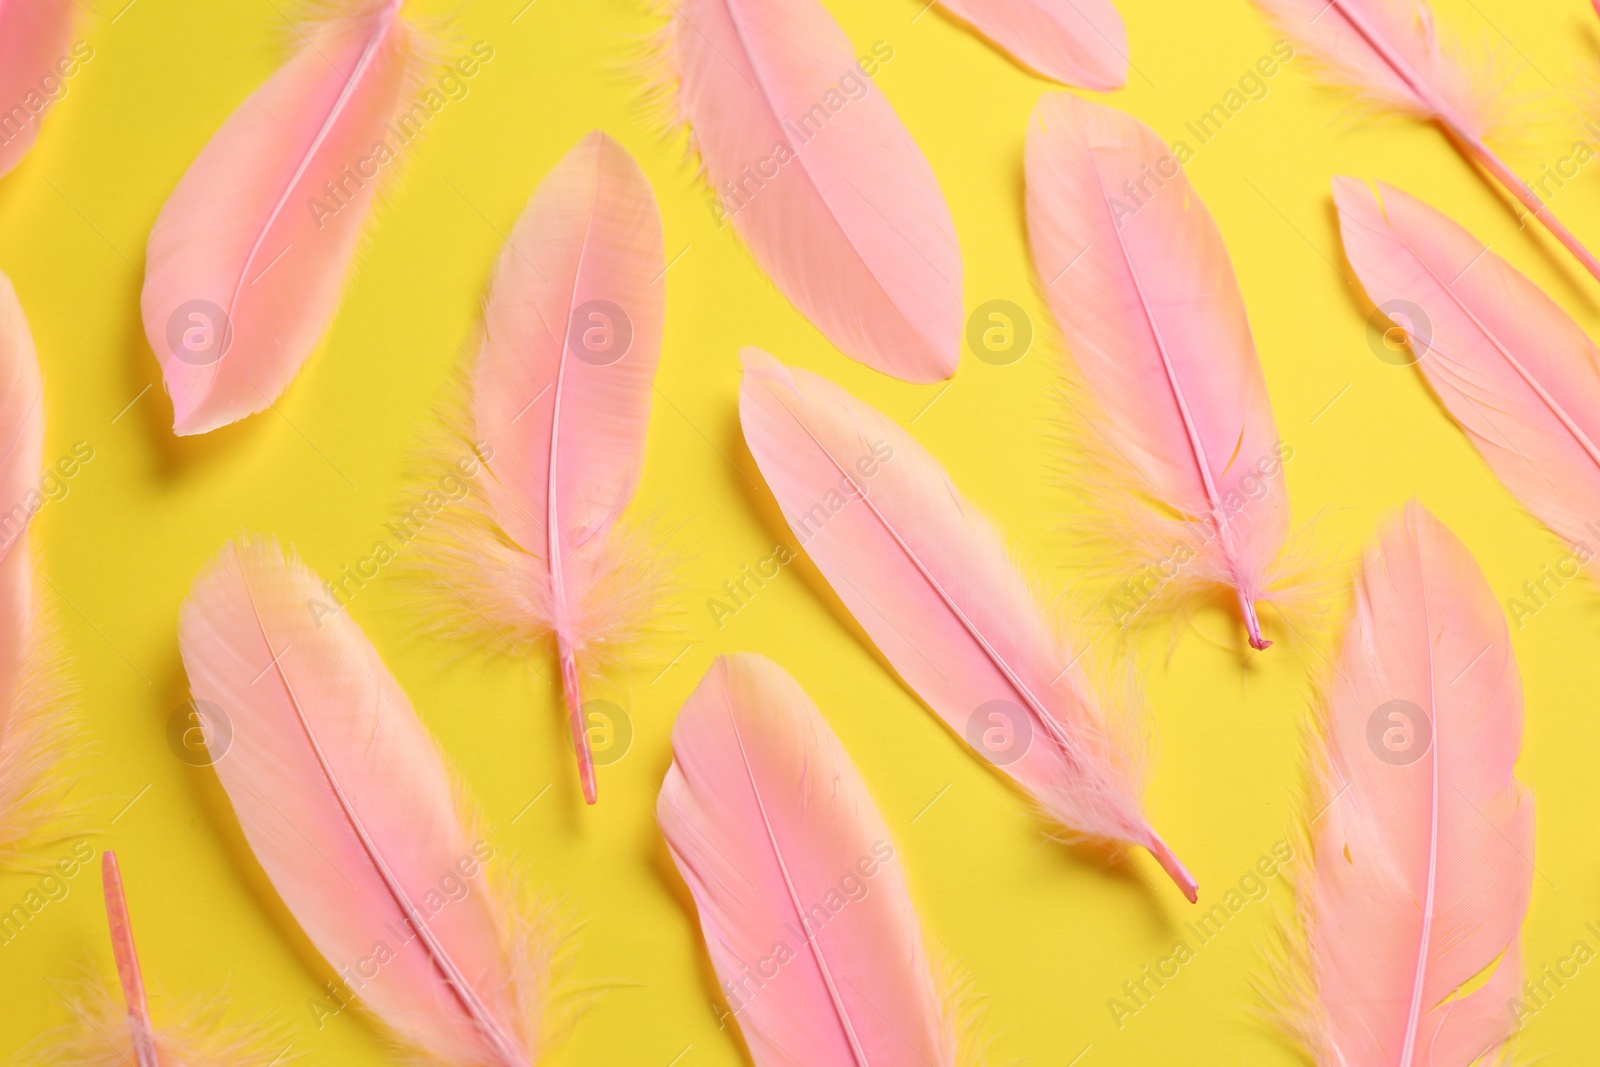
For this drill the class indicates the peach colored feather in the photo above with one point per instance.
(766, 817)
(928, 578)
(35, 47)
(353, 815)
(1423, 845)
(821, 179)
(1389, 53)
(31, 721)
(560, 404)
(1513, 369)
(249, 255)
(1075, 42)
(113, 1027)
(1141, 284)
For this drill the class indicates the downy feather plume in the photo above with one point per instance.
(1075, 42)
(1143, 289)
(929, 579)
(353, 815)
(1389, 54)
(112, 1027)
(560, 401)
(36, 55)
(1423, 842)
(764, 814)
(821, 179)
(32, 723)
(249, 255)
(1513, 369)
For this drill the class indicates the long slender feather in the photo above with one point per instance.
(35, 41)
(1389, 52)
(1076, 42)
(249, 255)
(129, 975)
(352, 813)
(802, 902)
(821, 179)
(1141, 284)
(31, 721)
(1423, 845)
(929, 580)
(560, 404)
(1513, 369)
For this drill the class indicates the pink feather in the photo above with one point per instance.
(1141, 284)
(1075, 42)
(248, 258)
(1423, 848)
(1513, 369)
(35, 35)
(352, 814)
(930, 581)
(1389, 53)
(112, 1030)
(821, 179)
(765, 816)
(560, 404)
(31, 724)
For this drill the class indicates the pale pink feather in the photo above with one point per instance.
(351, 812)
(1513, 369)
(35, 42)
(1141, 284)
(1423, 848)
(249, 255)
(766, 817)
(29, 721)
(822, 179)
(1388, 52)
(1076, 42)
(929, 580)
(560, 405)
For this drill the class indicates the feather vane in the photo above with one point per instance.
(1423, 853)
(821, 179)
(1141, 285)
(929, 579)
(765, 816)
(35, 39)
(353, 815)
(249, 255)
(1075, 42)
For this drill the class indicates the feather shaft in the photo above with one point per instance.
(127, 957)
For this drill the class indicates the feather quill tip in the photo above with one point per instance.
(1175, 869)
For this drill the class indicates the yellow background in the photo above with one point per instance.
(1045, 937)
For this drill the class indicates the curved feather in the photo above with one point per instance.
(1388, 52)
(822, 179)
(929, 580)
(351, 812)
(560, 405)
(1076, 42)
(766, 817)
(30, 722)
(1513, 369)
(249, 255)
(1142, 286)
(34, 36)
(1423, 858)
